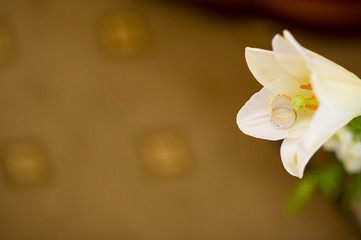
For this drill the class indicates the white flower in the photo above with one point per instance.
(293, 70)
(347, 149)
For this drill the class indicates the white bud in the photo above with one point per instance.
(347, 149)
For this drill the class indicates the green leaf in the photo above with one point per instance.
(352, 191)
(330, 179)
(302, 193)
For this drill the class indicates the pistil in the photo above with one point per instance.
(299, 102)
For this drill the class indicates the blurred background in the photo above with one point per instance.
(118, 119)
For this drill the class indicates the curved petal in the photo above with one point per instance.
(289, 58)
(297, 47)
(294, 157)
(325, 123)
(288, 85)
(263, 65)
(335, 85)
(332, 82)
(254, 117)
(302, 123)
(296, 153)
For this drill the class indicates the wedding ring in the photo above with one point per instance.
(282, 114)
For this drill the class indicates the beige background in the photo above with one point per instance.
(91, 110)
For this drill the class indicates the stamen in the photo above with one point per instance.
(306, 87)
(299, 102)
(312, 107)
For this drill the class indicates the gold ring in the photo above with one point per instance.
(281, 112)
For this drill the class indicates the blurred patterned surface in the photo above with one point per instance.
(95, 115)
(6, 43)
(123, 32)
(24, 163)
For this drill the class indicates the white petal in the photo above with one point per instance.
(324, 124)
(289, 58)
(263, 65)
(289, 86)
(254, 117)
(296, 46)
(296, 153)
(335, 85)
(302, 122)
(294, 157)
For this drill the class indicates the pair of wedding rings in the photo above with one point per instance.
(282, 114)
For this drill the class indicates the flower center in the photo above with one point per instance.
(299, 102)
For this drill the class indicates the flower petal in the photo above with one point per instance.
(291, 40)
(296, 153)
(289, 58)
(288, 85)
(334, 84)
(254, 117)
(301, 125)
(294, 157)
(325, 123)
(263, 65)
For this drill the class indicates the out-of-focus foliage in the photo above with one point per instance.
(355, 127)
(327, 179)
(331, 180)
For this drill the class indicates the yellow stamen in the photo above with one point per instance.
(306, 87)
(300, 103)
(312, 107)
